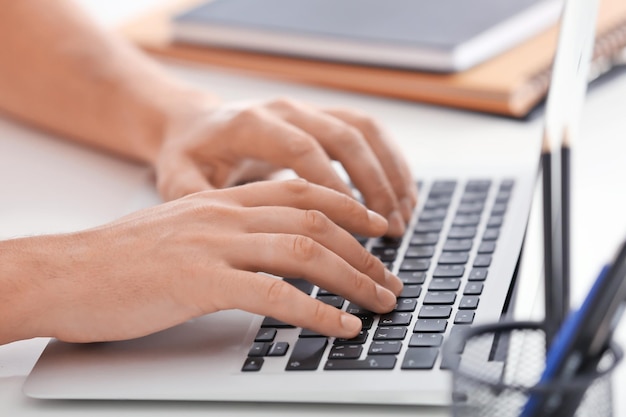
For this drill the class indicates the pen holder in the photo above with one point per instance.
(517, 351)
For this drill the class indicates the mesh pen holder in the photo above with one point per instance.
(480, 390)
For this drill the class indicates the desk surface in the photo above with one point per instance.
(107, 188)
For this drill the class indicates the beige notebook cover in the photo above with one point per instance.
(510, 84)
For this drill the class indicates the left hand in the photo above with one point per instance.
(211, 145)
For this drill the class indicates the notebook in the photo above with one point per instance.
(510, 84)
(458, 260)
(447, 35)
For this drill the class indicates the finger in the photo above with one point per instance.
(389, 155)
(298, 193)
(177, 177)
(317, 226)
(273, 297)
(302, 257)
(269, 138)
(346, 144)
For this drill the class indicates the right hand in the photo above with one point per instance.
(200, 254)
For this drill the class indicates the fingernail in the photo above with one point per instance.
(351, 323)
(374, 217)
(407, 208)
(396, 224)
(385, 296)
(394, 283)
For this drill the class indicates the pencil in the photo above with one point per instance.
(565, 222)
(550, 295)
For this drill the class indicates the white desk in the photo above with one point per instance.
(48, 185)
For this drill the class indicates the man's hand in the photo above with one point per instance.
(209, 145)
(203, 253)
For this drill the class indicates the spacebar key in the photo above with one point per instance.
(370, 363)
(307, 354)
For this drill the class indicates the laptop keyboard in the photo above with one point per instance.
(444, 263)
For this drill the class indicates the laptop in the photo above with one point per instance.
(458, 261)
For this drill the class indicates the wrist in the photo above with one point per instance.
(26, 300)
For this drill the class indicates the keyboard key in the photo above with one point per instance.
(415, 265)
(457, 338)
(252, 365)
(357, 340)
(498, 209)
(424, 239)
(265, 335)
(443, 186)
(468, 302)
(420, 358)
(449, 271)
(473, 197)
(259, 349)
(444, 284)
(387, 242)
(366, 321)
(307, 354)
(385, 254)
(332, 300)
(437, 203)
(495, 221)
(507, 184)
(458, 245)
(369, 363)
(491, 234)
(482, 260)
(470, 208)
(478, 185)
(301, 284)
(411, 291)
(310, 333)
(358, 310)
(388, 347)
(412, 277)
(278, 349)
(466, 220)
(429, 227)
(433, 214)
(390, 333)
(473, 288)
(406, 304)
(426, 340)
(503, 196)
(487, 247)
(435, 312)
(272, 322)
(430, 326)
(345, 352)
(477, 274)
(464, 317)
(419, 252)
(450, 361)
(453, 258)
(465, 232)
(435, 297)
(395, 319)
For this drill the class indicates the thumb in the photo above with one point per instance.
(178, 178)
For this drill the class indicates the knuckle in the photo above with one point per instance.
(283, 103)
(302, 146)
(276, 292)
(304, 247)
(319, 313)
(316, 222)
(247, 116)
(371, 264)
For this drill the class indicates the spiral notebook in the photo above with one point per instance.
(510, 84)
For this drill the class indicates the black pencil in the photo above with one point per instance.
(565, 222)
(546, 166)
